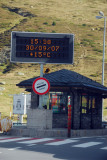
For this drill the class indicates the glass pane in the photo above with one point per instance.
(93, 102)
(89, 102)
(45, 102)
(84, 101)
(58, 102)
(83, 110)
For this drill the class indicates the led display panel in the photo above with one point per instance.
(33, 47)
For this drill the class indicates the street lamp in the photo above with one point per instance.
(99, 17)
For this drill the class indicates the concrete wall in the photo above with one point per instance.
(32, 132)
(39, 119)
(60, 120)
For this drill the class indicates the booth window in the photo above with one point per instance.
(58, 102)
(88, 104)
(84, 103)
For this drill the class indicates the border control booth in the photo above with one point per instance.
(73, 100)
(70, 88)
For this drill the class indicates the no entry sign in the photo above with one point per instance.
(41, 86)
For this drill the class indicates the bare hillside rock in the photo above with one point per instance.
(19, 11)
(5, 54)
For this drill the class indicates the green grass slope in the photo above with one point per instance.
(62, 16)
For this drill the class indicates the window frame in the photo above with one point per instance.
(88, 109)
(59, 98)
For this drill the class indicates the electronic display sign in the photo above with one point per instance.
(33, 47)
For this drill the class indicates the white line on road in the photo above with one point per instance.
(11, 149)
(101, 138)
(29, 145)
(66, 141)
(4, 137)
(104, 148)
(88, 144)
(36, 140)
(13, 139)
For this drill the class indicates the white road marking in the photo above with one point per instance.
(101, 138)
(36, 140)
(88, 144)
(104, 148)
(12, 140)
(29, 145)
(11, 149)
(66, 141)
(4, 137)
(80, 138)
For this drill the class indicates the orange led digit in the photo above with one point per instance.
(53, 48)
(35, 54)
(57, 47)
(40, 48)
(31, 41)
(39, 54)
(27, 47)
(31, 47)
(36, 41)
(44, 48)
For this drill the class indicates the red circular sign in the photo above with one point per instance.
(41, 86)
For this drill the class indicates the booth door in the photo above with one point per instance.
(59, 102)
(88, 110)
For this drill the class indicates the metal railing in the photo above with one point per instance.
(19, 124)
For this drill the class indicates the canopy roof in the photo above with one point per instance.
(67, 78)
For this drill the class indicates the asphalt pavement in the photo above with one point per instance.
(29, 148)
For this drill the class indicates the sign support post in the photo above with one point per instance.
(40, 96)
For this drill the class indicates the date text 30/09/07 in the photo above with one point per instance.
(42, 48)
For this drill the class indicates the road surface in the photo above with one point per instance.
(28, 148)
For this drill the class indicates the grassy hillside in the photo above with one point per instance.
(62, 16)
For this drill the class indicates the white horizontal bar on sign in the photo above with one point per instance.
(88, 144)
(12, 140)
(36, 140)
(66, 141)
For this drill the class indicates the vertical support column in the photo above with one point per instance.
(40, 96)
(69, 120)
(21, 118)
(0, 121)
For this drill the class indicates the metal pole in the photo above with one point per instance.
(40, 96)
(41, 70)
(103, 60)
